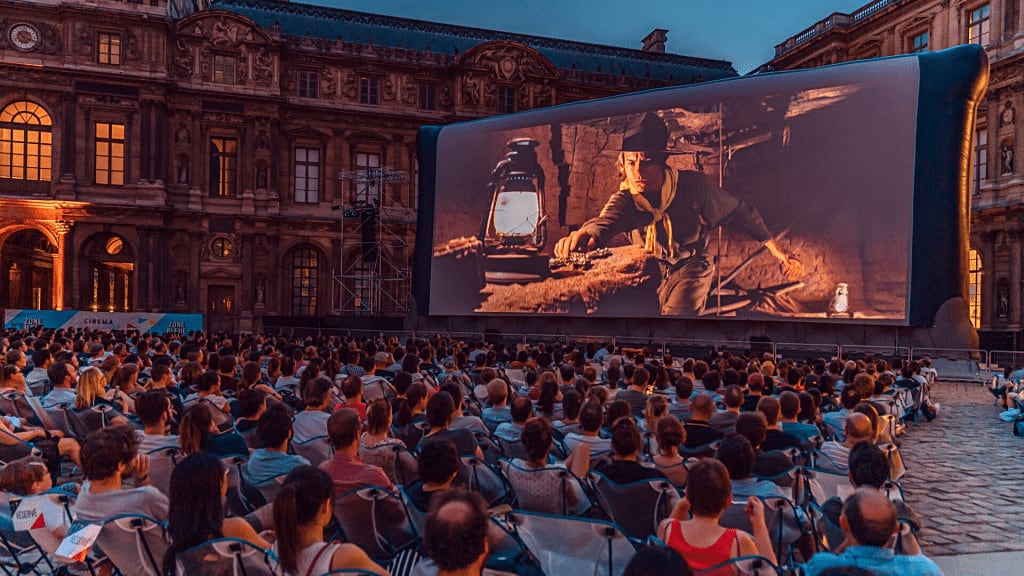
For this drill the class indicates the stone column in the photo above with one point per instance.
(61, 229)
(1014, 237)
(273, 297)
(143, 258)
(988, 280)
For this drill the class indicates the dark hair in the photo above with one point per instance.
(752, 426)
(297, 504)
(808, 405)
(377, 414)
(617, 409)
(869, 531)
(732, 396)
(548, 394)
(401, 382)
(315, 391)
(626, 440)
(769, 406)
(196, 512)
(684, 387)
(571, 404)
(274, 427)
(207, 380)
(455, 539)
(104, 450)
(708, 488)
(736, 453)
(536, 439)
(250, 401)
(195, 428)
(151, 405)
(19, 476)
(416, 393)
(439, 460)
(591, 416)
(657, 561)
(712, 380)
(868, 466)
(57, 371)
(343, 427)
(521, 409)
(159, 370)
(440, 409)
(351, 386)
(849, 397)
(669, 431)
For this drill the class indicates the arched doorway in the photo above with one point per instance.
(109, 274)
(26, 259)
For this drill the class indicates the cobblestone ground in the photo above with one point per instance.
(964, 475)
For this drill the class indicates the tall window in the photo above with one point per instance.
(366, 187)
(369, 91)
(308, 84)
(979, 169)
(974, 287)
(223, 69)
(506, 99)
(109, 154)
(307, 175)
(109, 49)
(305, 271)
(919, 42)
(978, 26)
(223, 166)
(428, 97)
(26, 142)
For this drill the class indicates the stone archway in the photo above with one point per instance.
(27, 259)
(108, 282)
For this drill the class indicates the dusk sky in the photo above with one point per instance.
(743, 32)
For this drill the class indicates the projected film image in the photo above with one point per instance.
(786, 196)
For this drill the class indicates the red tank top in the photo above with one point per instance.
(704, 558)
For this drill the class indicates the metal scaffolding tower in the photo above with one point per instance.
(377, 282)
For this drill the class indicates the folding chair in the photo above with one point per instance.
(243, 497)
(161, 465)
(268, 490)
(226, 556)
(398, 462)
(376, 520)
(637, 507)
(571, 545)
(791, 481)
(416, 516)
(12, 403)
(19, 551)
(704, 450)
(895, 460)
(492, 450)
(135, 543)
(512, 450)
(546, 489)
(744, 566)
(317, 449)
(485, 480)
(785, 522)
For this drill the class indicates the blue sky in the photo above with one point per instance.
(744, 32)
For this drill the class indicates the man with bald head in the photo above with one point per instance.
(869, 523)
(835, 455)
(455, 538)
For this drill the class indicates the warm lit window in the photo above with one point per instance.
(223, 69)
(305, 272)
(307, 175)
(109, 154)
(979, 26)
(428, 96)
(366, 184)
(223, 166)
(506, 99)
(979, 169)
(109, 51)
(974, 287)
(919, 42)
(369, 91)
(308, 84)
(26, 142)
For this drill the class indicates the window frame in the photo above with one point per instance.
(975, 270)
(216, 66)
(305, 281)
(308, 84)
(365, 191)
(979, 157)
(427, 96)
(305, 164)
(111, 144)
(369, 90)
(223, 189)
(912, 41)
(42, 128)
(505, 102)
(983, 24)
(113, 45)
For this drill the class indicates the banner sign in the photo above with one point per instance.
(123, 321)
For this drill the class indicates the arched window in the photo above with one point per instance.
(26, 142)
(974, 287)
(305, 276)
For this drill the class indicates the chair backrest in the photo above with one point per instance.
(161, 465)
(743, 566)
(243, 497)
(573, 545)
(781, 517)
(397, 461)
(269, 490)
(59, 416)
(135, 543)
(895, 460)
(637, 507)
(416, 516)
(317, 449)
(550, 490)
(18, 549)
(823, 485)
(704, 450)
(225, 556)
(485, 480)
(376, 520)
(492, 450)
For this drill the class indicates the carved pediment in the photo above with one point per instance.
(507, 62)
(222, 29)
(308, 132)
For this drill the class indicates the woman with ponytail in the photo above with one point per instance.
(197, 513)
(302, 509)
(198, 433)
(410, 421)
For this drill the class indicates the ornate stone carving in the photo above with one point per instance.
(205, 63)
(350, 89)
(183, 134)
(510, 63)
(490, 95)
(543, 96)
(228, 34)
(242, 67)
(409, 91)
(470, 90)
(328, 82)
(50, 39)
(263, 66)
(85, 43)
(184, 60)
(444, 96)
(1008, 116)
(263, 141)
(387, 89)
(131, 47)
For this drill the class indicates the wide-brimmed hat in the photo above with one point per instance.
(646, 133)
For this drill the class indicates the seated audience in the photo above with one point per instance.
(736, 453)
(345, 468)
(624, 467)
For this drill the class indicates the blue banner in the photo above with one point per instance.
(143, 322)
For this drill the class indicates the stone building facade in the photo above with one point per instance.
(888, 27)
(234, 158)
